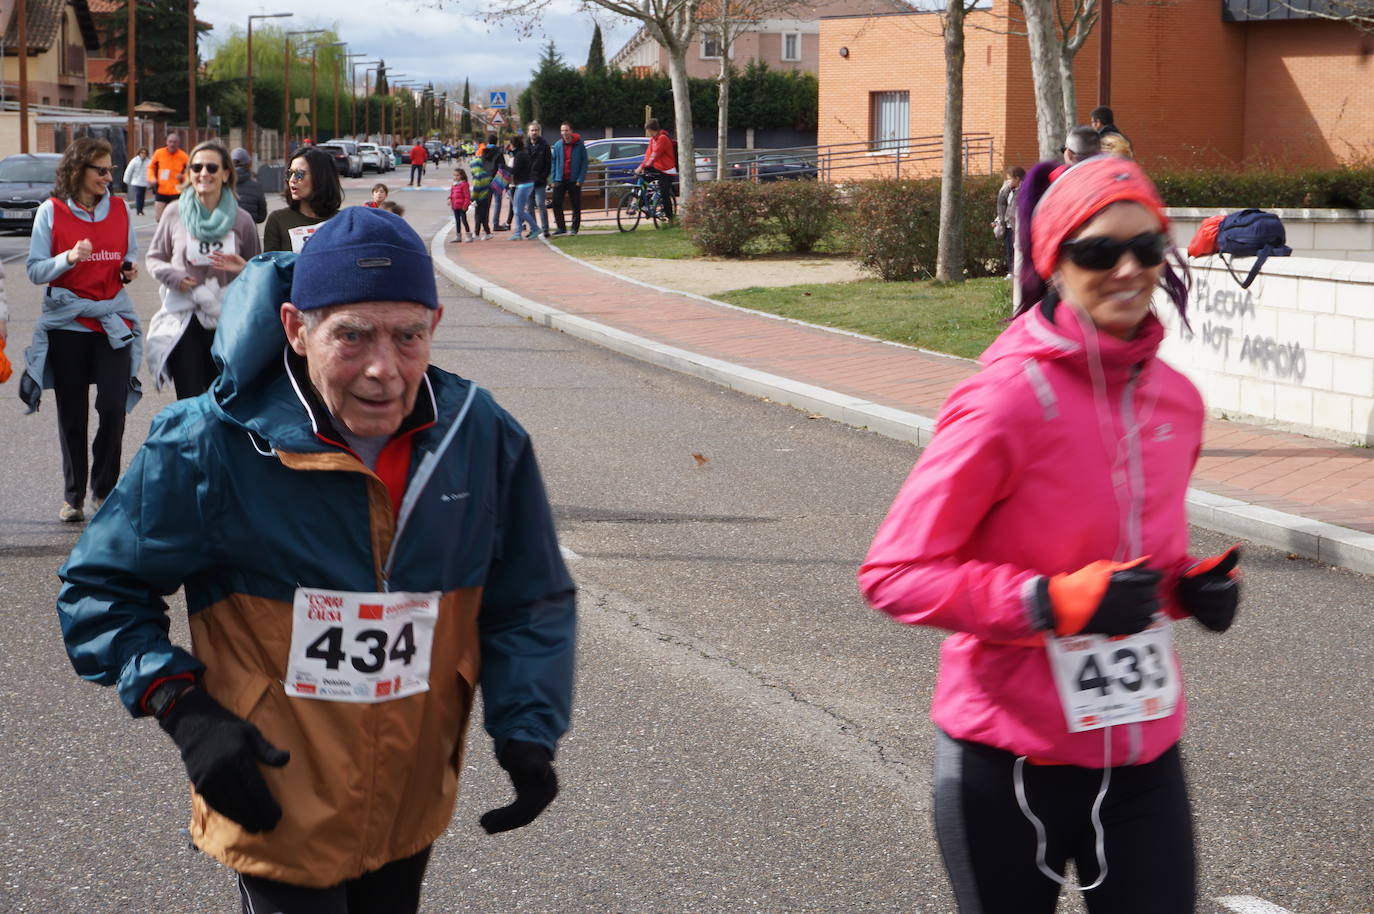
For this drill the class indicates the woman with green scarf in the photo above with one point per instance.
(201, 244)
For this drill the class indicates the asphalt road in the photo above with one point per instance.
(748, 736)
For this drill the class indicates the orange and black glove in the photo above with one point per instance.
(1101, 598)
(1210, 590)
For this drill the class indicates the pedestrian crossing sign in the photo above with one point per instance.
(497, 100)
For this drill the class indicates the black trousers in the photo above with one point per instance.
(393, 889)
(189, 362)
(78, 360)
(481, 218)
(460, 219)
(665, 188)
(989, 846)
(574, 192)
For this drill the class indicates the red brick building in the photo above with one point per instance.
(1193, 82)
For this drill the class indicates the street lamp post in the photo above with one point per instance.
(191, 71)
(286, 79)
(332, 44)
(392, 83)
(248, 144)
(131, 78)
(353, 90)
(367, 92)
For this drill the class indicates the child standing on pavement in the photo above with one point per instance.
(459, 198)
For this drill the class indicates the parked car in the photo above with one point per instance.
(778, 166)
(371, 155)
(347, 159)
(388, 158)
(26, 180)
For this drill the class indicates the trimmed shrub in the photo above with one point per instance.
(893, 227)
(1336, 188)
(802, 211)
(724, 217)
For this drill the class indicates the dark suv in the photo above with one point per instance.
(26, 180)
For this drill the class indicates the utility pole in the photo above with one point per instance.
(131, 78)
(248, 140)
(191, 70)
(24, 75)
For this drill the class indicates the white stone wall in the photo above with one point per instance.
(1328, 234)
(1296, 349)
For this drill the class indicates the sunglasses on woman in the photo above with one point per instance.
(102, 170)
(297, 174)
(208, 167)
(1101, 253)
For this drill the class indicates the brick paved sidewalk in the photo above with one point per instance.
(1274, 487)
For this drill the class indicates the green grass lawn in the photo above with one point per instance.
(958, 319)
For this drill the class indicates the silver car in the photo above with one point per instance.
(371, 155)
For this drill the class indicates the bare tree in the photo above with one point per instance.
(949, 258)
(673, 24)
(1056, 33)
(730, 20)
(1359, 13)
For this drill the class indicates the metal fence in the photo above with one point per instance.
(836, 163)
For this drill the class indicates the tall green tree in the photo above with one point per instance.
(465, 126)
(226, 75)
(596, 55)
(161, 53)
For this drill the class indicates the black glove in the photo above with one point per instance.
(1102, 598)
(222, 752)
(531, 772)
(1210, 592)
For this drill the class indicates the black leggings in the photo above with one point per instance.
(79, 359)
(481, 218)
(989, 846)
(460, 218)
(189, 362)
(393, 889)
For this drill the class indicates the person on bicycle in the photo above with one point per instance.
(660, 164)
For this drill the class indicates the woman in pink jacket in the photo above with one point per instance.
(1045, 526)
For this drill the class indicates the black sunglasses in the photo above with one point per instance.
(209, 167)
(102, 170)
(1101, 253)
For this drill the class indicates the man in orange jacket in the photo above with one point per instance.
(165, 169)
(660, 163)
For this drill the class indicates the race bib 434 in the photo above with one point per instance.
(362, 647)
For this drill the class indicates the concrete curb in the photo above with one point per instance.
(1322, 542)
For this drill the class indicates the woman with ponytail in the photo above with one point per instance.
(1045, 526)
(202, 242)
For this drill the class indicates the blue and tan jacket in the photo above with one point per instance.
(241, 496)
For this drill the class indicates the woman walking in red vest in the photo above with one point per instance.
(83, 249)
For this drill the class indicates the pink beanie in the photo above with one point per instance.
(1080, 193)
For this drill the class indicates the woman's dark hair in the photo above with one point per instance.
(326, 196)
(1176, 279)
(517, 142)
(70, 170)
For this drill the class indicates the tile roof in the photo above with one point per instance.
(44, 21)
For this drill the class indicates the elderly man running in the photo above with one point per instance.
(363, 539)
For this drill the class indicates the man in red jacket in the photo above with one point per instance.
(418, 156)
(660, 163)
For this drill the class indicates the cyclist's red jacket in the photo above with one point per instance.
(659, 155)
(1019, 482)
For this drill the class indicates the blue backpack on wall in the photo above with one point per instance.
(1251, 233)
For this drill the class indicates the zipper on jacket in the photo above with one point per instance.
(1136, 487)
(418, 482)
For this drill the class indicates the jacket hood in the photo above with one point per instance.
(249, 344)
(1061, 332)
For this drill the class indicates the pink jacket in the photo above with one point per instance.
(1019, 482)
(459, 195)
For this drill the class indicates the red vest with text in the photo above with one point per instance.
(97, 277)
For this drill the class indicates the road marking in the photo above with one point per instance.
(568, 554)
(1249, 904)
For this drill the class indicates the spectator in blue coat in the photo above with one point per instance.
(569, 171)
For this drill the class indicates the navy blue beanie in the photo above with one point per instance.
(360, 255)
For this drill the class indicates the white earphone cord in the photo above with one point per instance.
(1041, 842)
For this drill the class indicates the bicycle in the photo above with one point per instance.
(643, 201)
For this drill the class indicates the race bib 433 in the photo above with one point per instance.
(1104, 682)
(363, 647)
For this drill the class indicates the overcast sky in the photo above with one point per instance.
(427, 44)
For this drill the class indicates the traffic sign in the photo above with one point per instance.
(302, 121)
(302, 105)
(497, 120)
(497, 100)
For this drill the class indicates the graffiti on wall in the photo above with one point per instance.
(1217, 309)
